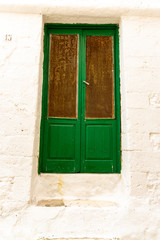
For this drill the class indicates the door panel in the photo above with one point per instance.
(62, 151)
(98, 123)
(99, 142)
(99, 101)
(63, 76)
(64, 146)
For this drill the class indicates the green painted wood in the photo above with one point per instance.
(80, 145)
(98, 144)
(60, 137)
(64, 146)
(96, 166)
(44, 103)
(60, 166)
(117, 105)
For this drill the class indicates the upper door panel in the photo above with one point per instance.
(99, 101)
(63, 76)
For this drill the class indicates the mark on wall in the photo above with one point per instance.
(155, 140)
(154, 100)
(60, 185)
(8, 37)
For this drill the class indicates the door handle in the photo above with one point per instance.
(87, 83)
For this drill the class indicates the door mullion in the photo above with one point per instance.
(78, 169)
(83, 59)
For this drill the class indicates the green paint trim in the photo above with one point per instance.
(117, 94)
(44, 92)
(81, 26)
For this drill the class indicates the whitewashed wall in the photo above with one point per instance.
(124, 206)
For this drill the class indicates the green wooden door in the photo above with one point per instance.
(80, 128)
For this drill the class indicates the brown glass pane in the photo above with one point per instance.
(62, 100)
(99, 74)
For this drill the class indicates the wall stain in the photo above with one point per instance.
(60, 185)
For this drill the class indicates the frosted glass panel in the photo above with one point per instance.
(99, 74)
(63, 71)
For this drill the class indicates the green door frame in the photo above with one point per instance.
(109, 30)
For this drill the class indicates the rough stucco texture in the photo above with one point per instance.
(124, 206)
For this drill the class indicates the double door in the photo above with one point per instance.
(80, 123)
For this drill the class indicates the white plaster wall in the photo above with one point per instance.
(124, 205)
(20, 48)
